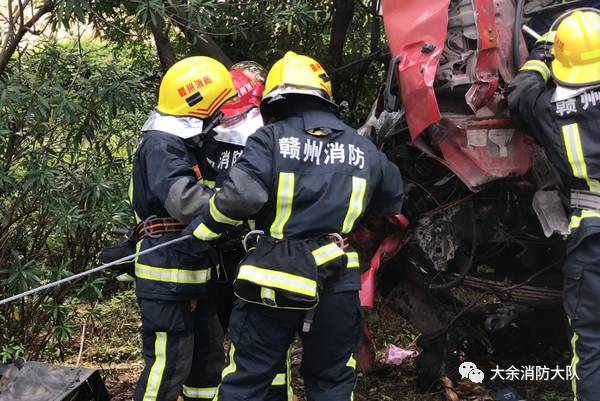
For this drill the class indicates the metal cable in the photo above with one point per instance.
(91, 271)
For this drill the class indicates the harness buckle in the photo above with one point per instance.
(340, 241)
(256, 233)
(308, 320)
(146, 227)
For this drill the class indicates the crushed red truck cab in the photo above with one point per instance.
(470, 181)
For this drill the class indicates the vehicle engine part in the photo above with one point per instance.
(435, 236)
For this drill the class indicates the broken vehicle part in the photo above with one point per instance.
(35, 381)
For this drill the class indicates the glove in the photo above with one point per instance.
(543, 48)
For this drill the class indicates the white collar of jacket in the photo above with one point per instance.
(183, 127)
(566, 92)
(237, 130)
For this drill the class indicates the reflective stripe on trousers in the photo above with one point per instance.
(574, 360)
(203, 393)
(229, 369)
(352, 365)
(158, 368)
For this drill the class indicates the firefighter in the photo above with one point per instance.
(241, 118)
(219, 152)
(307, 178)
(556, 97)
(181, 335)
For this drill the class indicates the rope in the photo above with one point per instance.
(91, 271)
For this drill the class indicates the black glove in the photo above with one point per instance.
(543, 48)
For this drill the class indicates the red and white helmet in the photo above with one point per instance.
(241, 116)
(249, 94)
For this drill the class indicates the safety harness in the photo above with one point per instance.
(154, 227)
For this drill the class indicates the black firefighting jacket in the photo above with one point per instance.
(566, 122)
(217, 158)
(303, 177)
(165, 183)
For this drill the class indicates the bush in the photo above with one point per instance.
(70, 115)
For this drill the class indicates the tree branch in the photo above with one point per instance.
(201, 43)
(165, 51)
(10, 29)
(21, 17)
(343, 10)
(14, 38)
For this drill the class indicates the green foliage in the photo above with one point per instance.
(70, 115)
(264, 30)
(10, 352)
(261, 30)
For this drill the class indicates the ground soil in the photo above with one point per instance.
(112, 343)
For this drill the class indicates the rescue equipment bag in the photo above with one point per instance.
(285, 273)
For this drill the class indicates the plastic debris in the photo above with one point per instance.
(396, 356)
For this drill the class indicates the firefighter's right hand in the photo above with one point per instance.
(543, 48)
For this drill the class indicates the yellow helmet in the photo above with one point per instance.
(577, 48)
(297, 74)
(195, 87)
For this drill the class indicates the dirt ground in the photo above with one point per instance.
(112, 343)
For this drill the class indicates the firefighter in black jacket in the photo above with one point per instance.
(241, 118)
(181, 334)
(307, 177)
(563, 113)
(219, 152)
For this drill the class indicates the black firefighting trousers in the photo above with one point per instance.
(261, 337)
(280, 387)
(229, 261)
(581, 299)
(182, 350)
